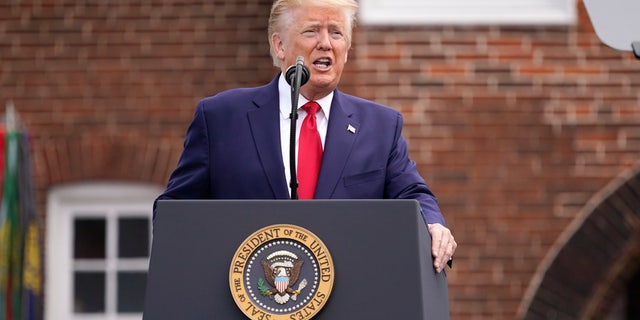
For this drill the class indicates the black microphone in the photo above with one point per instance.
(296, 75)
(297, 69)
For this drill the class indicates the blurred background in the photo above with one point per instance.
(523, 123)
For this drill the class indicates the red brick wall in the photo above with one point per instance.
(514, 128)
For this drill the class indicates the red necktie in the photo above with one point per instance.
(310, 153)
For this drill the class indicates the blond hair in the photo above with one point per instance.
(279, 17)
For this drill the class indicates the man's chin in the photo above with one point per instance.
(323, 82)
(317, 90)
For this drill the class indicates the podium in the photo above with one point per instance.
(381, 251)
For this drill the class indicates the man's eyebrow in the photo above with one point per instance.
(318, 24)
(312, 24)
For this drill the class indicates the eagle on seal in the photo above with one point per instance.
(281, 278)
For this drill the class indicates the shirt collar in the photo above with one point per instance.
(284, 91)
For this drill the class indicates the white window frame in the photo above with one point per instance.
(63, 204)
(467, 12)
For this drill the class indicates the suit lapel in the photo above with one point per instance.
(341, 133)
(265, 129)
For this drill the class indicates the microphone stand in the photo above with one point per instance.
(296, 76)
(295, 92)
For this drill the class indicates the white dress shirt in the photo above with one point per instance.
(322, 120)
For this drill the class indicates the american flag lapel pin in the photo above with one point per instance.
(351, 129)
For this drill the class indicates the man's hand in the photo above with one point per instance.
(443, 246)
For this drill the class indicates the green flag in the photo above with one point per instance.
(10, 243)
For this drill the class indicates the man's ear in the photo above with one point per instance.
(277, 45)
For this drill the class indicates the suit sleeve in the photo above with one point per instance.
(404, 181)
(190, 179)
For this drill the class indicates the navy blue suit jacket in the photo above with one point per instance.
(232, 151)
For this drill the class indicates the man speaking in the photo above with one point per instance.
(237, 146)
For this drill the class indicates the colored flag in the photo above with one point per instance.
(20, 253)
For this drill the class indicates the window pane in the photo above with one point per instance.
(89, 292)
(131, 287)
(89, 238)
(133, 237)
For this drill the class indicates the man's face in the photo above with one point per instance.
(319, 35)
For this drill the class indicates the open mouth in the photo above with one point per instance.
(322, 63)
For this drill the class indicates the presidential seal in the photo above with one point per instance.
(281, 272)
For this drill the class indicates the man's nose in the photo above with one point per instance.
(324, 40)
